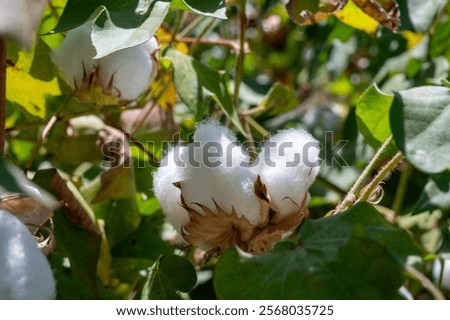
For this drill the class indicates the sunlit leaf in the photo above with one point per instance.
(352, 15)
(30, 93)
(386, 12)
(419, 121)
(210, 8)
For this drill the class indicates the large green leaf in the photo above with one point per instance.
(169, 275)
(372, 116)
(338, 258)
(210, 8)
(76, 234)
(420, 120)
(436, 194)
(124, 24)
(196, 84)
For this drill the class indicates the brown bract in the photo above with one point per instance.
(223, 229)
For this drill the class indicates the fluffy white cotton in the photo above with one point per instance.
(74, 56)
(437, 267)
(218, 169)
(129, 71)
(169, 172)
(24, 271)
(215, 167)
(288, 165)
(125, 74)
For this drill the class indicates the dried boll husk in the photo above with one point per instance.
(124, 74)
(230, 203)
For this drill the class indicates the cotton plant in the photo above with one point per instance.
(25, 271)
(216, 197)
(125, 74)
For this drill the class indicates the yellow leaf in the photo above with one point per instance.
(412, 39)
(28, 92)
(386, 12)
(352, 15)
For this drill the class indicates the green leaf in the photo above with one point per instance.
(111, 38)
(13, 180)
(372, 116)
(209, 8)
(338, 258)
(280, 99)
(124, 24)
(75, 232)
(419, 121)
(196, 84)
(169, 275)
(436, 194)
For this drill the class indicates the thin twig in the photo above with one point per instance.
(177, 25)
(3, 66)
(426, 283)
(233, 44)
(351, 195)
(388, 167)
(48, 127)
(191, 26)
(401, 189)
(202, 34)
(240, 57)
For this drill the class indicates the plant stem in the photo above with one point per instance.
(241, 55)
(257, 126)
(177, 25)
(3, 65)
(388, 167)
(401, 189)
(233, 44)
(426, 283)
(191, 26)
(351, 195)
(201, 35)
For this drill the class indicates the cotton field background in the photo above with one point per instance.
(212, 149)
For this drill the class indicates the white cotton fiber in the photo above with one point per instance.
(219, 171)
(169, 172)
(74, 54)
(129, 71)
(24, 271)
(437, 268)
(288, 165)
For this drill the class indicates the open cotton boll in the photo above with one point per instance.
(24, 271)
(169, 172)
(437, 268)
(74, 56)
(288, 165)
(219, 170)
(128, 72)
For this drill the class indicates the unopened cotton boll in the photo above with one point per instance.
(128, 72)
(218, 172)
(74, 56)
(288, 165)
(24, 271)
